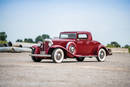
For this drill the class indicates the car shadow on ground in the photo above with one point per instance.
(50, 61)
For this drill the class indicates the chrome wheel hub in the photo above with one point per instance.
(58, 55)
(72, 49)
(102, 55)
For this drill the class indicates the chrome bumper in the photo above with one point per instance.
(109, 51)
(42, 54)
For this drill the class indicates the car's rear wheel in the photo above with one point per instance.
(80, 59)
(35, 59)
(101, 55)
(57, 55)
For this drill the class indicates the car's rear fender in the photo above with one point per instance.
(102, 46)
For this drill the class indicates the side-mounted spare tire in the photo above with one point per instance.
(35, 59)
(71, 47)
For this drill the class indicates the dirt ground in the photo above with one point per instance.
(18, 70)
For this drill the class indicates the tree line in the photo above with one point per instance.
(115, 44)
(3, 37)
(37, 39)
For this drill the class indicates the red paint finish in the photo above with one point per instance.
(84, 45)
(37, 49)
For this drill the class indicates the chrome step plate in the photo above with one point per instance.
(40, 55)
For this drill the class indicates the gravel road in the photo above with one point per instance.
(18, 70)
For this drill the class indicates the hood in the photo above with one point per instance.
(62, 42)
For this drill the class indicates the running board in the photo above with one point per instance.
(87, 56)
(47, 55)
(91, 56)
(40, 55)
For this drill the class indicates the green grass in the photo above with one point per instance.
(3, 42)
(129, 49)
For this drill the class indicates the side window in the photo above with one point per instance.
(82, 36)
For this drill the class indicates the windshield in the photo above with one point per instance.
(68, 35)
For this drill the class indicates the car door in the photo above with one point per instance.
(82, 44)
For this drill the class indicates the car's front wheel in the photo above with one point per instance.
(101, 55)
(35, 59)
(57, 55)
(80, 59)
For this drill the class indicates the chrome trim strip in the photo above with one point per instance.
(40, 55)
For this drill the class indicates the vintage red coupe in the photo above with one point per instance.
(77, 45)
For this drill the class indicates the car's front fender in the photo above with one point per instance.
(37, 49)
(67, 53)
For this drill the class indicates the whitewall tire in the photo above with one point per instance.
(57, 55)
(101, 55)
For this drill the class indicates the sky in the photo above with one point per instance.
(107, 20)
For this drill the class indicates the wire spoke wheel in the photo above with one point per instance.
(58, 55)
(101, 55)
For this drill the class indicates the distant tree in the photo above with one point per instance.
(3, 36)
(25, 40)
(28, 40)
(38, 38)
(19, 40)
(113, 44)
(10, 44)
(126, 46)
(42, 37)
(45, 36)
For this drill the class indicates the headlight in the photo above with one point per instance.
(50, 43)
(38, 44)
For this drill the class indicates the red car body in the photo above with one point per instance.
(74, 45)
